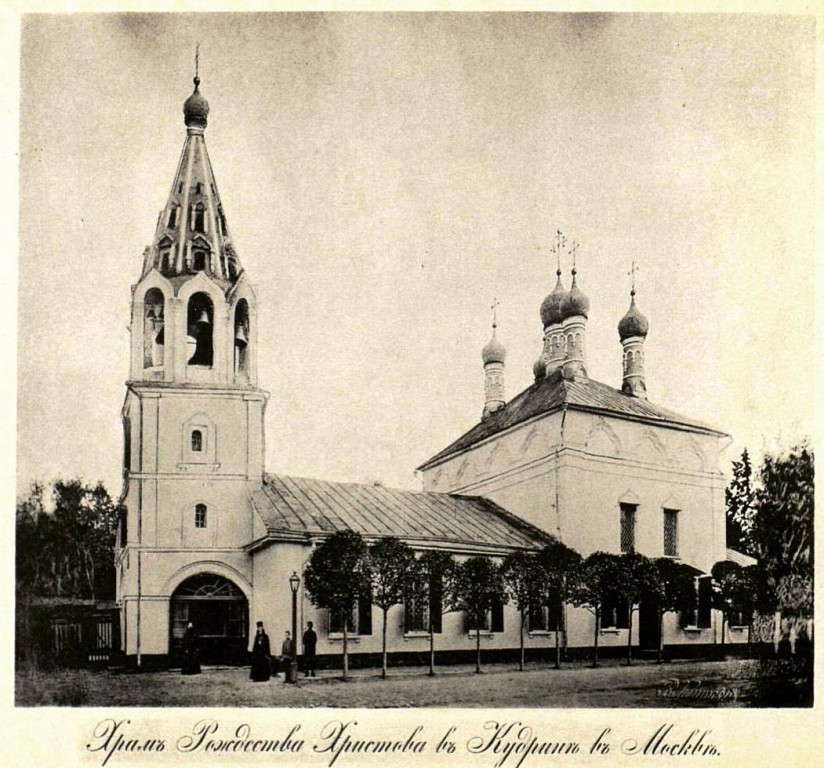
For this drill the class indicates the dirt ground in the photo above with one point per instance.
(679, 684)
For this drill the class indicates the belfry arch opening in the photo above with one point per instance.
(200, 323)
(241, 337)
(218, 611)
(153, 329)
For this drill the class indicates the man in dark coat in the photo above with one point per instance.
(261, 656)
(191, 652)
(310, 644)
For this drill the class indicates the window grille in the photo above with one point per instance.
(628, 527)
(670, 532)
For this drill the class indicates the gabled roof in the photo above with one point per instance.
(300, 506)
(556, 392)
(740, 558)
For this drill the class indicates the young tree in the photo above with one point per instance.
(522, 577)
(391, 564)
(740, 503)
(560, 566)
(638, 581)
(431, 585)
(600, 576)
(675, 593)
(337, 577)
(477, 587)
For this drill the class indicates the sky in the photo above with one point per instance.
(385, 177)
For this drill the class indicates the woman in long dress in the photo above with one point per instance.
(191, 652)
(261, 656)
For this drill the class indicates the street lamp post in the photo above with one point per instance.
(294, 583)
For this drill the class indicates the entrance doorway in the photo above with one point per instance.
(219, 613)
(649, 631)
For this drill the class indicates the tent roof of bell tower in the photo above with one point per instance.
(192, 234)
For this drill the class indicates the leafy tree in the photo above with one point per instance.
(391, 564)
(476, 587)
(560, 566)
(675, 593)
(599, 580)
(432, 585)
(337, 577)
(740, 503)
(638, 581)
(782, 530)
(522, 575)
(68, 552)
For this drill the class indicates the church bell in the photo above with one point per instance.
(204, 318)
(240, 337)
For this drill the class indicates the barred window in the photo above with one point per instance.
(200, 516)
(628, 527)
(197, 441)
(419, 609)
(615, 613)
(358, 622)
(546, 618)
(701, 615)
(491, 621)
(671, 532)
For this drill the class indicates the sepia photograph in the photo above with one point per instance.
(415, 360)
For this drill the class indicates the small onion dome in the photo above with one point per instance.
(575, 302)
(633, 323)
(494, 351)
(539, 369)
(551, 305)
(196, 108)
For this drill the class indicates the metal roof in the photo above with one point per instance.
(556, 392)
(296, 505)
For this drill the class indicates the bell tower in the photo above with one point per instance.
(193, 413)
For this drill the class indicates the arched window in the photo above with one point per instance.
(197, 440)
(200, 261)
(241, 342)
(200, 327)
(199, 218)
(200, 516)
(173, 216)
(153, 337)
(198, 188)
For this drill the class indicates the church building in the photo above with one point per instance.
(210, 537)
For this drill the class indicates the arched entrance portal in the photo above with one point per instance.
(219, 612)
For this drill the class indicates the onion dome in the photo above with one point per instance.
(551, 305)
(196, 108)
(494, 351)
(633, 323)
(575, 302)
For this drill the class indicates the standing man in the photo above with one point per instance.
(310, 642)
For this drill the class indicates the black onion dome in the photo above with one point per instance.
(196, 108)
(633, 323)
(551, 305)
(576, 302)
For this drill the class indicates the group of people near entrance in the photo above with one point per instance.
(264, 664)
